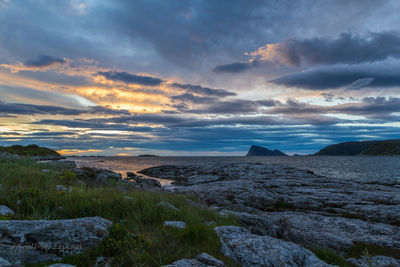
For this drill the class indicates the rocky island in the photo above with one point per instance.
(262, 151)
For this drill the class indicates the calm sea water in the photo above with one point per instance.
(356, 168)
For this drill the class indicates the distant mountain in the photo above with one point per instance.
(262, 151)
(371, 148)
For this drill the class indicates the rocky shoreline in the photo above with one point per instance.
(285, 214)
(296, 206)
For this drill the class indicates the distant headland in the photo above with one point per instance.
(362, 148)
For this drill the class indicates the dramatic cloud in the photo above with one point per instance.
(29, 109)
(44, 61)
(187, 97)
(131, 78)
(336, 77)
(379, 108)
(162, 76)
(234, 67)
(347, 49)
(197, 89)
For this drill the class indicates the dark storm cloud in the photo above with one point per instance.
(235, 67)
(184, 32)
(193, 98)
(236, 106)
(29, 109)
(337, 77)
(347, 49)
(131, 78)
(379, 108)
(197, 89)
(44, 61)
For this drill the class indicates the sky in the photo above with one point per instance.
(198, 77)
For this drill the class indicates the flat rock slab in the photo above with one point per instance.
(201, 260)
(27, 242)
(254, 250)
(273, 187)
(379, 261)
(312, 230)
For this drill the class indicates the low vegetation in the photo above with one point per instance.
(330, 256)
(29, 150)
(137, 237)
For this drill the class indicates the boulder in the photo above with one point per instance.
(95, 175)
(201, 260)
(176, 224)
(254, 250)
(378, 261)
(63, 188)
(4, 210)
(29, 242)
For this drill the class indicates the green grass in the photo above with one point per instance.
(359, 250)
(29, 150)
(330, 256)
(137, 237)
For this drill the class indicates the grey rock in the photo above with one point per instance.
(176, 224)
(254, 187)
(28, 242)
(4, 262)
(63, 188)
(167, 205)
(209, 260)
(103, 262)
(332, 232)
(254, 250)
(97, 175)
(4, 210)
(376, 261)
(201, 260)
(128, 198)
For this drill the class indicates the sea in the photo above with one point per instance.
(358, 168)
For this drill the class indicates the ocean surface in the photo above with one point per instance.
(366, 169)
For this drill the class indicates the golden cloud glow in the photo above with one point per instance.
(77, 151)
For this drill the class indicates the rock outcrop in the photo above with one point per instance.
(293, 205)
(378, 261)
(253, 250)
(28, 242)
(313, 230)
(96, 175)
(263, 151)
(255, 187)
(201, 260)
